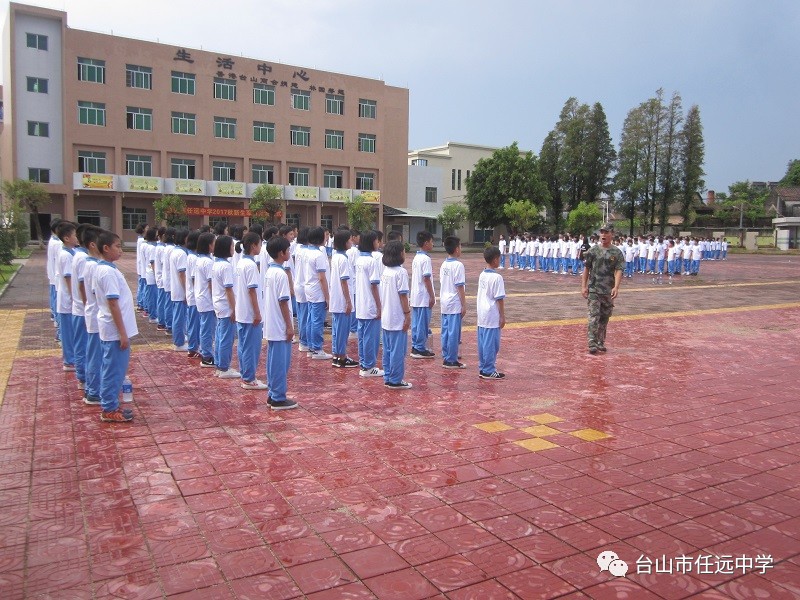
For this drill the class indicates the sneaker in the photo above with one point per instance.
(81, 385)
(116, 416)
(193, 354)
(303, 348)
(229, 374)
(373, 372)
(320, 355)
(168, 332)
(403, 385)
(495, 375)
(454, 365)
(161, 328)
(153, 321)
(294, 339)
(281, 404)
(349, 363)
(68, 368)
(254, 385)
(91, 400)
(183, 348)
(422, 354)
(338, 363)
(207, 363)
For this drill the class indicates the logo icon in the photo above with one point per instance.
(609, 561)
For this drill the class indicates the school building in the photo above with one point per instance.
(109, 124)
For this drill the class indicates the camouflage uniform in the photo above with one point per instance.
(602, 264)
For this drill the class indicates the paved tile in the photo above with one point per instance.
(681, 442)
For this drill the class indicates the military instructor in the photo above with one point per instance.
(600, 285)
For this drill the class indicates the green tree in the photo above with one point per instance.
(670, 155)
(496, 180)
(600, 155)
(692, 155)
(629, 180)
(452, 217)
(548, 168)
(744, 204)
(267, 198)
(170, 208)
(31, 196)
(521, 215)
(584, 218)
(792, 177)
(360, 215)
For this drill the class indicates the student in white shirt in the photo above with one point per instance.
(395, 316)
(224, 307)
(453, 302)
(177, 286)
(249, 326)
(502, 245)
(315, 283)
(204, 299)
(422, 298)
(368, 306)
(300, 288)
(342, 300)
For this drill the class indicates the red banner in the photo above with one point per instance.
(228, 212)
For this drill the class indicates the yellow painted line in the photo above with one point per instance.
(654, 288)
(11, 322)
(654, 315)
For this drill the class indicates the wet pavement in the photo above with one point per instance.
(679, 451)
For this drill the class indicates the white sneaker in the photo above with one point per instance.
(373, 372)
(229, 374)
(184, 348)
(303, 348)
(254, 385)
(320, 355)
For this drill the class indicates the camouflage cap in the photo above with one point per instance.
(607, 227)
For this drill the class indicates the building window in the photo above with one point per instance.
(326, 222)
(139, 118)
(458, 184)
(141, 166)
(91, 162)
(39, 175)
(223, 171)
(298, 176)
(420, 162)
(301, 136)
(334, 104)
(263, 94)
(38, 129)
(90, 69)
(431, 194)
(132, 217)
(36, 41)
(293, 220)
(92, 113)
(139, 77)
(37, 84)
(430, 225)
(365, 181)
(263, 174)
(301, 100)
(183, 83)
(185, 123)
(453, 179)
(467, 177)
(182, 168)
(263, 131)
(334, 139)
(90, 217)
(366, 142)
(224, 89)
(332, 179)
(225, 128)
(367, 109)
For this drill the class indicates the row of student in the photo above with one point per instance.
(94, 311)
(671, 256)
(561, 254)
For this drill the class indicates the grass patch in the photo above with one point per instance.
(6, 271)
(23, 253)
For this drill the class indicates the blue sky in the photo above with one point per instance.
(495, 72)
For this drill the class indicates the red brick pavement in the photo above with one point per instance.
(683, 440)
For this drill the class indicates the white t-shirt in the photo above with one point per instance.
(221, 280)
(53, 249)
(166, 267)
(300, 259)
(246, 279)
(451, 277)
(340, 271)
(139, 262)
(109, 283)
(316, 262)
(502, 246)
(177, 264)
(366, 276)
(149, 252)
(697, 253)
(421, 269)
(158, 263)
(63, 289)
(490, 290)
(276, 290)
(394, 283)
(191, 271)
(629, 252)
(202, 295)
(90, 310)
(378, 256)
(78, 266)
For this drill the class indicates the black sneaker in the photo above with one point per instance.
(91, 400)
(338, 363)
(192, 354)
(422, 354)
(403, 385)
(349, 363)
(281, 404)
(207, 363)
(495, 375)
(454, 365)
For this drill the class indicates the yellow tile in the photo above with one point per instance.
(540, 430)
(493, 426)
(535, 444)
(590, 435)
(545, 418)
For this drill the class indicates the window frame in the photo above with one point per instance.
(143, 160)
(97, 160)
(31, 84)
(367, 142)
(180, 164)
(336, 175)
(225, 128)
(260, 89)
(220, 168)
(132, 73)
(139, 119)
(38, 129)
(98, 109)
(431, 192)
(132, 212)
(299, 172)
(178, 78)
(37, 39)
(92, 70)
(264, 127)
(300, 99)
(182, 117)
(298, 133)
(223, 87)
(332, 101)
(38, 172)
(367, 109)
(362, 177)
(331, 135)
(260, 168)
